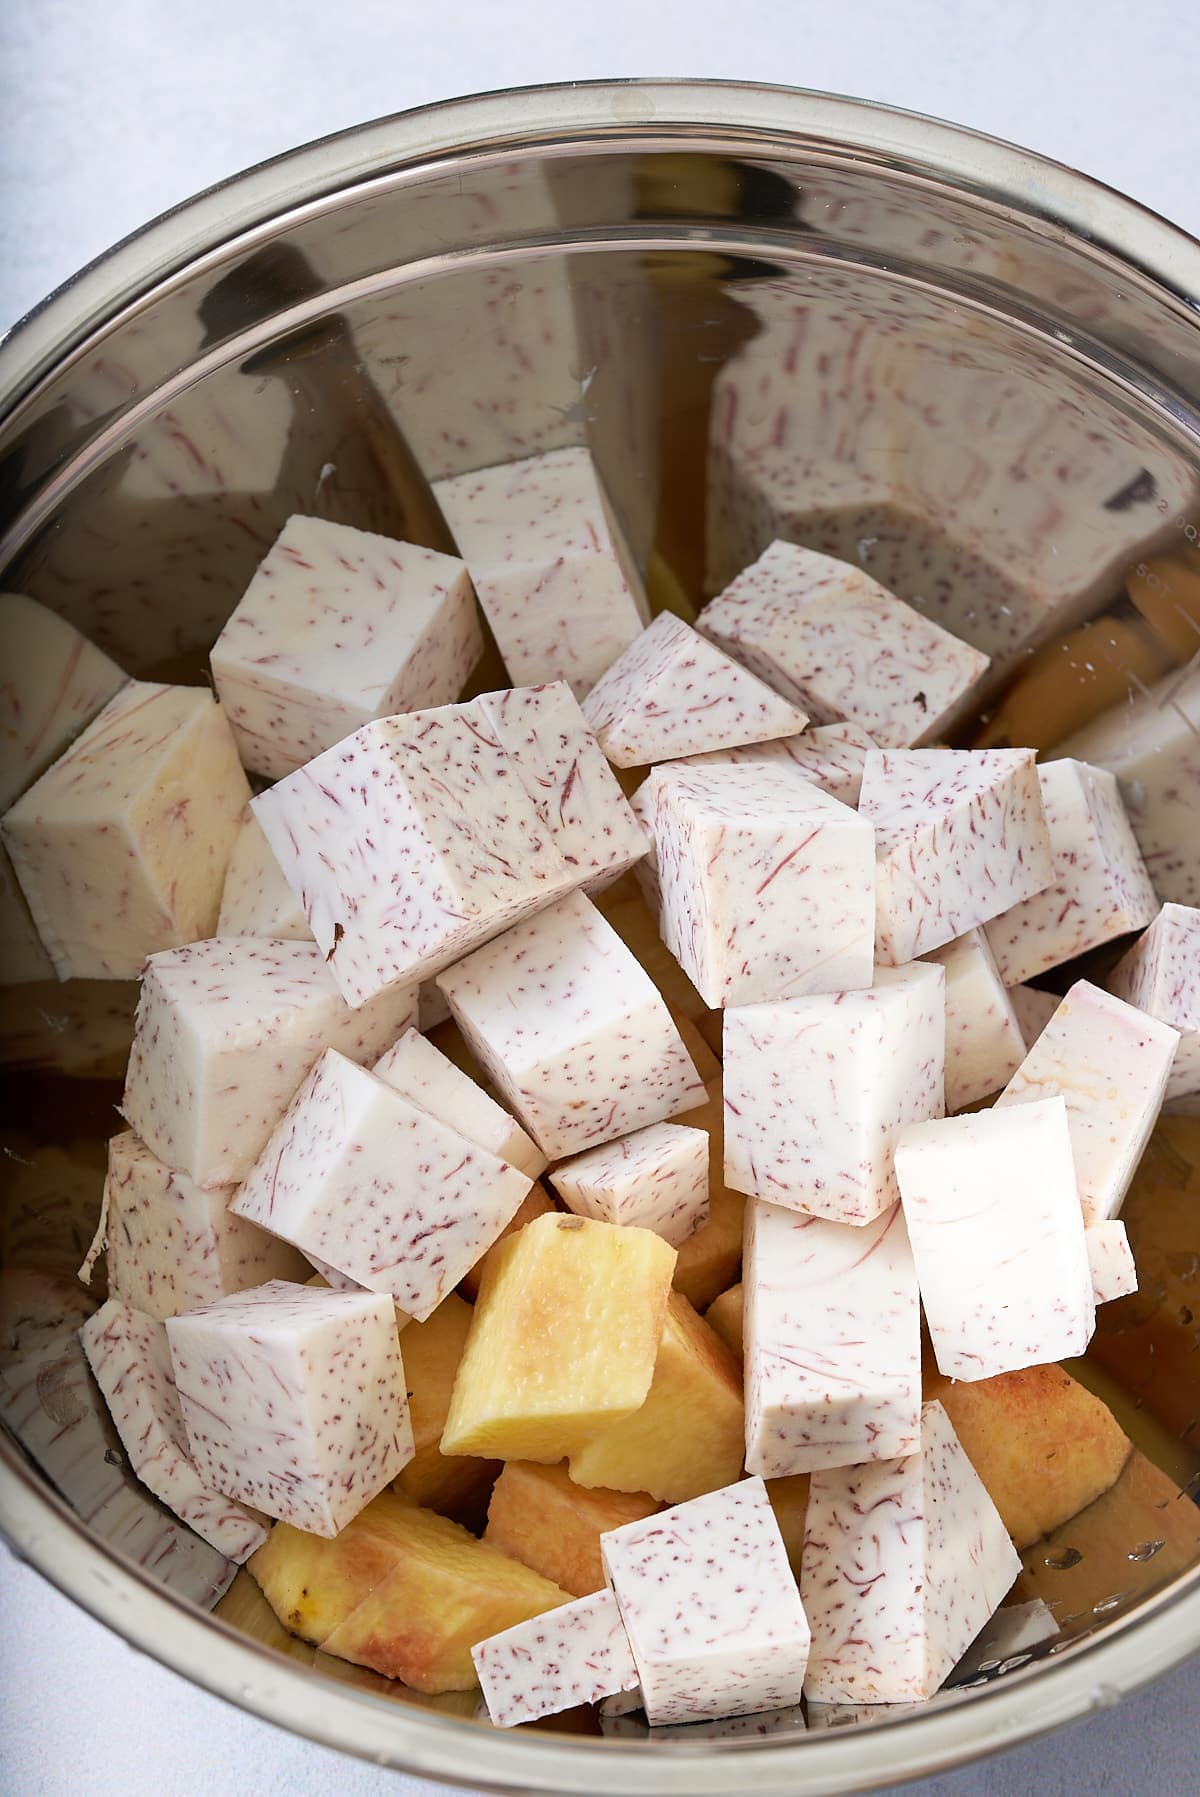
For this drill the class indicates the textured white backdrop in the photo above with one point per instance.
(110, 113)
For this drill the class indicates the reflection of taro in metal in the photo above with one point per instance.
(980, 484)
(53, 1385)
(1152, 745)
(51, 1404)
(973, 417)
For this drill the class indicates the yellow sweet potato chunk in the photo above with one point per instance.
(538, 1515)
(724, 1315)
(536, 1203)
(313, 1583)
(710, 1260)
(689, 1435)
(431, 1350)
(563, 1340)
(1129, 1543)
(441, 1593)
(1044, 1447)
(1071, 681)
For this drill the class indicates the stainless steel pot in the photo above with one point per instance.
(973, 370)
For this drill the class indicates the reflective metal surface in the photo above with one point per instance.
(768, 313)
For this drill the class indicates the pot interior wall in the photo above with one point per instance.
(996, 420)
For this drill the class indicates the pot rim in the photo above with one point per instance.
(1087, 1676)
(40, 1528)
(989, 167)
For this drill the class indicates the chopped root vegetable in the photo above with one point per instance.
(293, 1400)
(226, 1032)
(121, 847)
(1110, 1062)
(409, 843)
(832, 756)
(171, 1244)
(834, 641)
(960, 837)
(551, 568)
(571, 1030)
(573, 789)
(766, 885)
(339, 626)
(427, 1078)
(996, 1227)
(566, 1333)
(656, 1178)
(832, 948)
(576, 1654)
(817, 1090)
(904, 1562)
(672, 693)
(1099, 888)
(831, 1342)
(706, 1645)
(129, 1357)
(1161, 975)
(378, 1189)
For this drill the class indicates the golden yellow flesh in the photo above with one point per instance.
(1043, 1445)
(564, 1339)
(536, 1203)
(432, 1350)
(689, 1435)
(401, 1590)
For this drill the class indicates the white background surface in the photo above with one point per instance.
(112, 111)
(116, 109)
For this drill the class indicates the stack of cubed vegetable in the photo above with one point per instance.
(462, 1082)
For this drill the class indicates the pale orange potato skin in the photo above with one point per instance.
(536, 1203)
(401, 1590)
(725, 1315)
(431, 1351)
(709, 1261)
(538, 1515)
(1071, 681)
(689, 1435)
(1144, 1506)
(1044, 1447)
